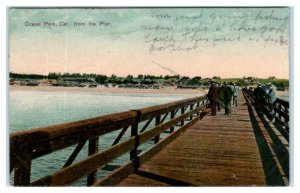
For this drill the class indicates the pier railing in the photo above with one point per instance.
(171, 118)
(272, 138)
(281, 109)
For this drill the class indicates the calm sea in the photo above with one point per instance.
(32, 109)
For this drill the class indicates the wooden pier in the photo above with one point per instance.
(216, 151)
(190, 147)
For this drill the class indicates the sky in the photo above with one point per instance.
(206, 42)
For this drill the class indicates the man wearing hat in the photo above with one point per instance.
(227, 99)
(212, 97)
(258, 94)
(271, 98)
(220, 102)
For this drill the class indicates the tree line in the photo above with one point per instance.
(145, 79)
(148, 79)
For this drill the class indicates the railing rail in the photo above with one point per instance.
(28, 145)
(281, 109)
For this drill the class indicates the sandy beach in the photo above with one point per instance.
(114, 90)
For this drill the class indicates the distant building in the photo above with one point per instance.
(12, 81)
(79, 79)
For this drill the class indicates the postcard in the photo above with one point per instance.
(149, 96)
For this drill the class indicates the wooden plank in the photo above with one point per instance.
(146, 125)
(71, 173)
(207, 178)
(226, 160)
(137, 180)
(116, 176)
(120, 135)
(67, 128)
(164, 179)
(74, 154)
(42, 141)
(213, 170)
(163, 119)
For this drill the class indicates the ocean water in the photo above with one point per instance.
(284, 95)
(32, 109)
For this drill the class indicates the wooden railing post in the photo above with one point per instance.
(22, 170)
(172, 117)
(280, 107)
(134, 132)
(20, 158)
(93, 148)
(191, 108)
(286, 110)
(198, 105)
(182, 112)
(157, 122)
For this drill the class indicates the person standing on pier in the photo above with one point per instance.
(220, 97)
(212, 97)
(227, 99)
(271, 98)
(258, 94)
(235, 94)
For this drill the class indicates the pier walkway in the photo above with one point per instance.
(216, 151)
(174, 144)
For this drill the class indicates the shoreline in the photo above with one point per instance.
(113, 90)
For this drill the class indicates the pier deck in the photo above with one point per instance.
(215, 151)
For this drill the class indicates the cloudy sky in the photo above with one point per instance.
(227, 42)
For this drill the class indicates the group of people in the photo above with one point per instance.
(265, 93)
(221, 96)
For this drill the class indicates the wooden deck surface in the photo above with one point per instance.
(216, 151)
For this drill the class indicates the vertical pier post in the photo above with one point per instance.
(157, 122)
(134, 133)
(191, 108)
(172, 117)
(182, 112)
(22, 161)
(22, 170)
(93, 148)
(198, 105)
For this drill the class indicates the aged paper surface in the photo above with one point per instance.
(72, 64)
